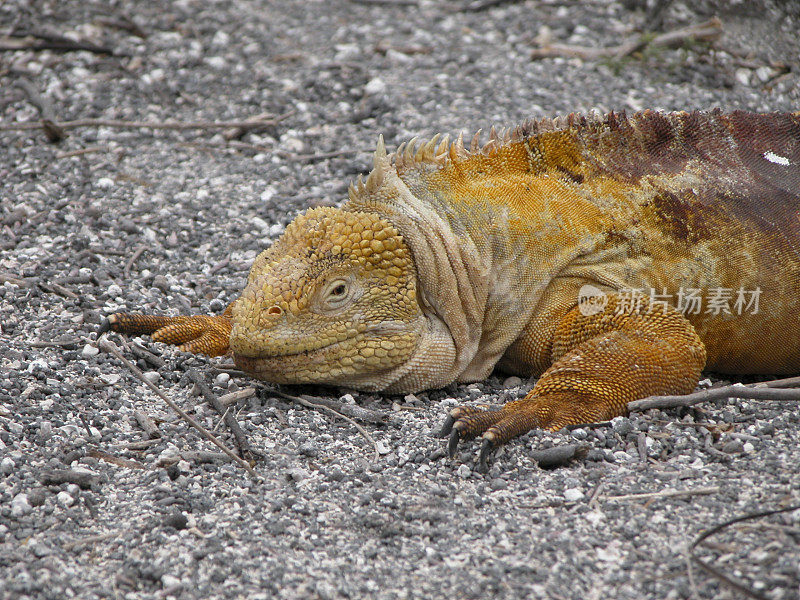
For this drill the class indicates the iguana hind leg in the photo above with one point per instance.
(600, 363)
(198, 334)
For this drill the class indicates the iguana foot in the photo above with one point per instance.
(551, 411)
(198, 334)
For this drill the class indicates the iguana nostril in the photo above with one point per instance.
(274, 310)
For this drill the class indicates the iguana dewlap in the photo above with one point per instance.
(447, 262)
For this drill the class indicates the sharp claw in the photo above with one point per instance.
(105, 327)
(486, 450)
(447, 427)
(452, 444)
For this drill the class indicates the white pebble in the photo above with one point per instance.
(748, 448)
(222, 379)
(152, 376)
(221, 38)
(374, 86)
(170, 582)
(105, 183)
(64, 499)
(216, 62)
(6, 466)
(463, 471)
(573, 495)
(89, 351)
(260, 223)
(110, 378)
(20, 505)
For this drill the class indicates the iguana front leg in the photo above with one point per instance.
(600, 363)
(198, 334)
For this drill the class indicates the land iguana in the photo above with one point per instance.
(616, 257)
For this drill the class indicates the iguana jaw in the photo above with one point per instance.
(366, 361)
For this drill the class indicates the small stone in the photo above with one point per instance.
(37, 497)
(512, 382)
(222, 380)
(64, 499)
(573, 495)
(579, 434)
(748, 448)
(309, 449)
(114, 290)
(743, 76)
(160, 282)
(110, 378)
(463, 471)
(216, 62)
(260, 224)
(296, 474)
(89, 351)
(621, 426)
(152, 376)
(382, 448)
(498, 484)
(176, 519)
(170, 582)
(6, 466)
(733, 447)
(20, 505)
(375, 86)
(105, 183)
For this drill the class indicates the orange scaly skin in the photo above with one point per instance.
(448, 262)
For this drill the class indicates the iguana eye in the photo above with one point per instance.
(337, 293)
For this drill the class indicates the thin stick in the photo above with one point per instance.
(126, 272)
(707, 31)
(82, 151)
(55, 288)
(768, 390)
(175, 125)
(728, 580)
(107, 346)
(92, 539)
(228, 417)
(234, 397)
(701, 491)
(307, 404)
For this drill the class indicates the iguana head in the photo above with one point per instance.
(334, 301)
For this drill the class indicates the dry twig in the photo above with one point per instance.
(234, 397)
(49, 41)
(701, 491)
(107, 346)
(248, 124)
(92, 539)
(708, 31)
(228, 417)
(767, 390)
(728, 579)
(126, 272)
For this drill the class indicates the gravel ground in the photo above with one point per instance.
(168, 221)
